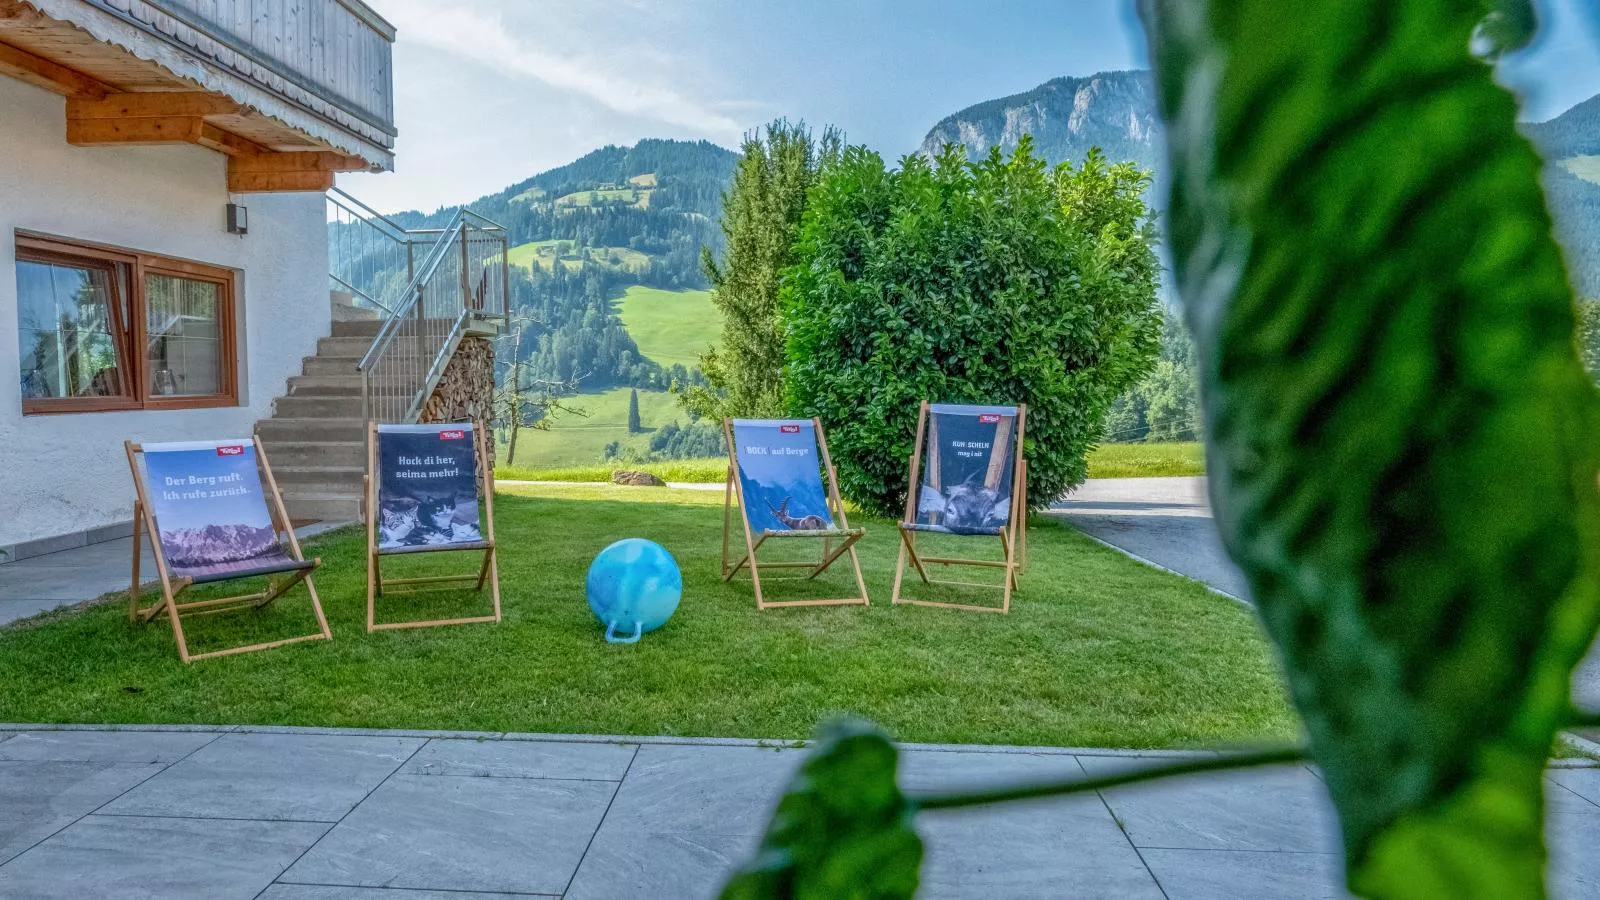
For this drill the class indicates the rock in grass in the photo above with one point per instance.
(637, 479)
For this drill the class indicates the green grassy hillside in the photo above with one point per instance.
(581, 440)
(525, 254)
(639, 197)
(670, 326)
(545, 253)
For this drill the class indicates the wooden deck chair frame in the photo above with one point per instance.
(841, 541)
(488, 571)
(1013, 538)
(172, 586)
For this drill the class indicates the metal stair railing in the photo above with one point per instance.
(462, 279)
(370, 256)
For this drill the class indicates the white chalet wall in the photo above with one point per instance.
(61, 474)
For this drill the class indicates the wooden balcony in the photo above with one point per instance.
(291, 91)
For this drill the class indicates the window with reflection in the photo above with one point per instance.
(103, 330)
(183, 336)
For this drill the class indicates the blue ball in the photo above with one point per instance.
(634, 587)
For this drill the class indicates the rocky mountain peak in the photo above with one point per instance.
(1114, 111)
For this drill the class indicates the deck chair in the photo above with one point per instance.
(422, 488)
(214, 515)
(972, 481)
(775, 472)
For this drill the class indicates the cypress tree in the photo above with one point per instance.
(761, 215)
(635, 425)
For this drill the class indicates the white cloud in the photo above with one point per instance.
(484, 38)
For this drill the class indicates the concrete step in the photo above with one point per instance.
(319, 479)
(344, 384)
(323, 506)
(318, 408)
(343, 357)
(346, 312)
(329, 365)
(277, 431)
(345, 346)
(347, 385)
(351, 348)
(361, 328)
(342, 454)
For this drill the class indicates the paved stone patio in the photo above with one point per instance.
(322, 814)
(326, 814)
(69, 577)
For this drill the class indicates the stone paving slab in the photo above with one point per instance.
(1042, 850)
(120, 858)
(1247, 874)
(1573, 837)
(104, 746)
(414, 818)
(333, 892)
(702, 790)
(477, 834)
(1584, 783)
(642, 865)
(79, 574)
(302, 778)
(925, 771)
(506, 759)
(1279, 808)
(39, 798)
(14, 608)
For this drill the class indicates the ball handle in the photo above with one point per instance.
(611, 633)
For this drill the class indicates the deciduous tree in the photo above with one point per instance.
(1000, 281)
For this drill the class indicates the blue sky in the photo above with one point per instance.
(492, 91)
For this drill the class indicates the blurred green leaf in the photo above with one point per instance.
(1402, 443)
(842, 832)
(1508, 26)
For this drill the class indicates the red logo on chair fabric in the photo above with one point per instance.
(989, 418)
(235, 450)
(455, 434)
(789, 429)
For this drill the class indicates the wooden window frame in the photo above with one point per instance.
(134, 364)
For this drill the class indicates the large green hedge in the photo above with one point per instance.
(999, 281)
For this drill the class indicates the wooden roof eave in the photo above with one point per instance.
(330, 125)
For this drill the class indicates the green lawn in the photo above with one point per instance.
(670, 326)
(1106, 461)
(690, 471)
(1147, 460)
(574, 440)
(1097, 651)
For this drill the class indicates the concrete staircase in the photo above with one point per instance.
(315, 438)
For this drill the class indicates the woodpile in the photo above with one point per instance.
(466, 390)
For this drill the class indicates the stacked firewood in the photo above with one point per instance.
(466, 391)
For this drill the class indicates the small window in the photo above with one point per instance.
(105, 330)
